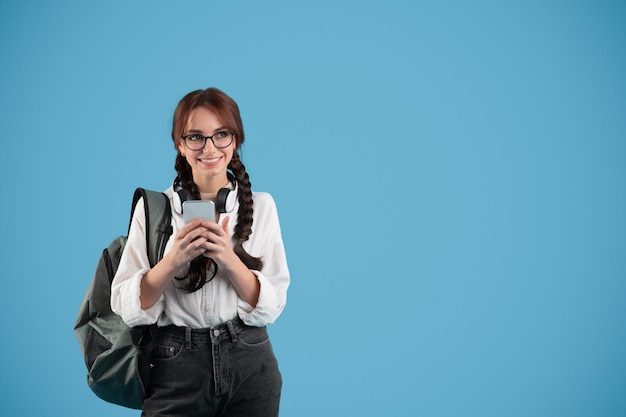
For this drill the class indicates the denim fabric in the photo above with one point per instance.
(229, 370)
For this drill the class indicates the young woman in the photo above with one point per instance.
(218, 284)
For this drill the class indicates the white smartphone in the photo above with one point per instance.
(193, 209)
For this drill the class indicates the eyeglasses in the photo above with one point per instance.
(196, 141)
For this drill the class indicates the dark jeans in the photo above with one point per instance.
(229, 370)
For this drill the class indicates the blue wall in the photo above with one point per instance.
(450, 178)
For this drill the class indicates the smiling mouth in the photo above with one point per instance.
(211, 160)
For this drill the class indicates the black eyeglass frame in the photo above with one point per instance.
(232, 138)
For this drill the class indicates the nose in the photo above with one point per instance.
(206, 144)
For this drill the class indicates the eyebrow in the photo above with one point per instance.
(219, 129)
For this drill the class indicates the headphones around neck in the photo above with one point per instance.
(224, 201)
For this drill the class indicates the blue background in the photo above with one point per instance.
(450, 178)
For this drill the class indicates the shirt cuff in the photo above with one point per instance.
(268, 307)
(132, 314)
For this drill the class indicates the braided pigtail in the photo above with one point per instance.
(197, 274)
(243, 228)
(185, 176)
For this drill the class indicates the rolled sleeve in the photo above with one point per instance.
(125, 301)
(272, 300)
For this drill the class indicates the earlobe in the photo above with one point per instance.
(181, 148)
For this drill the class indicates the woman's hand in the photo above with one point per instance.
(218, 246)
(190, 242)
(217, 243)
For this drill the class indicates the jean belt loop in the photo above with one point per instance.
(188, 337)
(231, 330)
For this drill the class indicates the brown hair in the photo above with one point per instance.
(227, 111)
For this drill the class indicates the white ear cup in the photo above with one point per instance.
(231, 200)
(226, 199)
(179, 196)
(178, 205)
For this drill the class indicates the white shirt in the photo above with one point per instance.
(217, 301)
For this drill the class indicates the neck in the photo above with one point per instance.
(211, 185)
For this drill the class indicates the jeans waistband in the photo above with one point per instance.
(228, 330)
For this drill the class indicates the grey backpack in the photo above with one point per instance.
(118, 357)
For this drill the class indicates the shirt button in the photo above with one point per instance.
(216, 332)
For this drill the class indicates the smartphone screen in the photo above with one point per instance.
(193, 209)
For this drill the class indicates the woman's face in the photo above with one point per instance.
(208, 164)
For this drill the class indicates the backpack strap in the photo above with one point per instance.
(158, 221)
